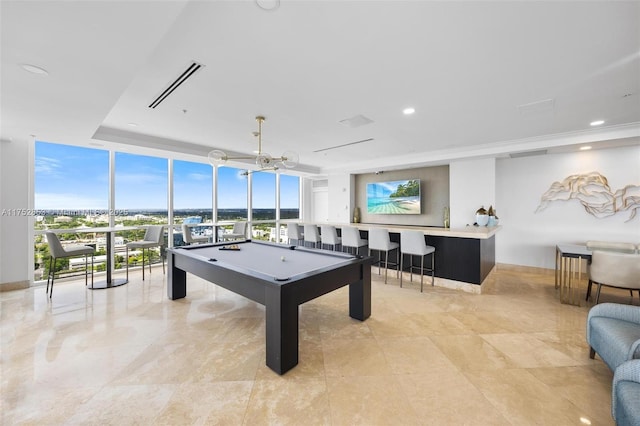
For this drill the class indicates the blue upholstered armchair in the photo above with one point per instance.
(625, 394)
(613, 332)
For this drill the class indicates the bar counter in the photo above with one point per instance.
(464, 256)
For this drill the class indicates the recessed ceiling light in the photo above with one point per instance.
(408, 111)
(585, 148)
(596, 123)
(34, 69)
(132, 124)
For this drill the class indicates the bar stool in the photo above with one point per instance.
(379, 240)
(294, 233)
(413, 244)
(153, 237)
(351, 238)
(329, 236)
(189, 238)
(57, 251)
(239, 232)
(311, 235)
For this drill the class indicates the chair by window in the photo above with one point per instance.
(351, 239)
(57, 251)
(413, 244)
(294, 233)
(311, 235)
(379, 241)
(189, 238)
(614, 269)
(329, 236)
(239, 232)
(153, 237)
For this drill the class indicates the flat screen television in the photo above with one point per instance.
(396, 197)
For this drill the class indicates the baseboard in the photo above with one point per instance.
(16, 285)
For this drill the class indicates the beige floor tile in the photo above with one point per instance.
(523, 399)
(430, 394)
(128, 355)
(220, 403)
(371, 401)
(354, 357)
(289, 402)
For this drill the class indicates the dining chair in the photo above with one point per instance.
(380, 241)
(614, 269)
(189, 238)
(413, 244)
(311, 235)
(239, 232)
(153, 237)
(294, 233)
(57, 251)
(351, 239)
(608, 246)
(329, 236)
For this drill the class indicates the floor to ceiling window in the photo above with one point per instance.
(232, 187)
(263, 206)
(192, 198)
(71, 190)
(141, 183)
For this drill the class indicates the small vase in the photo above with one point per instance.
(482, 218)
(446, 217)
(356, 215)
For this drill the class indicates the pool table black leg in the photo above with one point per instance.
(282, 331)
(360, 295)
(176, 281)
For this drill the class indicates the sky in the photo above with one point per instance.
(71, 177)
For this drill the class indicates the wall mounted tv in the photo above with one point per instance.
(397, 197)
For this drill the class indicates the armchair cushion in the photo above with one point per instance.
(613, 331)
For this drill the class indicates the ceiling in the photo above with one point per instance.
(485, 78)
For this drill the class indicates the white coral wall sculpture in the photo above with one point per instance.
(595, 195)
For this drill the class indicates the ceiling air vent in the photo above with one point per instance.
(344, 144)
(527, 153)
(191, 70)
(356, 121)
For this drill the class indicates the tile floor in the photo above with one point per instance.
(128, 355)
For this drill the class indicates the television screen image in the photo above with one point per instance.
(397, 197)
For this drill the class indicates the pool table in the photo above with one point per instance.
(280, 277)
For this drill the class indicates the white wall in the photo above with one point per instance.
(340, 199)
(16, 252)
(529, 238)
(472, 184)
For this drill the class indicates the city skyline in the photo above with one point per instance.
(71, 177)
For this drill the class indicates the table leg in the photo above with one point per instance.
(360, 296)
(176, 281)
(110, 281)
(564, 279)
(557, 283)
(282, 330)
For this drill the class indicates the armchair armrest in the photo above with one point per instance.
(627, 372)
(629, 313)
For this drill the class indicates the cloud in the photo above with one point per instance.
(48, 166)
(59, 201)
